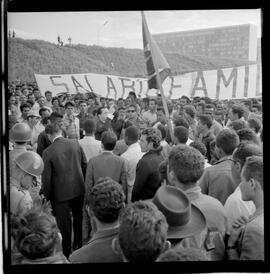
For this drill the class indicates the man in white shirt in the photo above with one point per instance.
(89, 144)
(151, 115)
(132, 155)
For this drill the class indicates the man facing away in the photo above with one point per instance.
(105, 164)
(132, 155)
(104, 202)
(89, 144)
(63, 184)
(185, 167)
(247, 242)
(217, 180)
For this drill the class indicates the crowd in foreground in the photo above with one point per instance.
(102, 180)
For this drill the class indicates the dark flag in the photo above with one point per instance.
(151, 50)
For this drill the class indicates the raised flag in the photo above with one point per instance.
(152, 51)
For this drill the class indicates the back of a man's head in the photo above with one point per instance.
(132, 135)
(142, 232)
(253, 169)
(54, 115)
(180, 121)
(247, 135)
(227, 140)
(255, 124)
(199, 146)
(52, 129)
(163, 131)
(190, 110)
(238, 124)
(187, 164)
(245, 150)
(89, 126)
(108, 140)
(106, 200)
(239, 110)
(36, 233)
(183, 254)
(206, 119)
(181, 134)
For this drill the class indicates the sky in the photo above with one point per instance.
(122, 28)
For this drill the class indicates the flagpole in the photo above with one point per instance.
(161, 90)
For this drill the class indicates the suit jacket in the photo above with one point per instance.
(106, 165)
(64, 169)
(147, 179)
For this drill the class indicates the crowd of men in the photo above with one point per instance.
(94, 179)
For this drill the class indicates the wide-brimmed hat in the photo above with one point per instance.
(184, 219)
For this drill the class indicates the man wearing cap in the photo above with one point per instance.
(33, 119)
(185, 167)
(29, 166)
(20, 134)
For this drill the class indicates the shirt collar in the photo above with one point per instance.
(104, 233)
(193, 192)
(57, 137)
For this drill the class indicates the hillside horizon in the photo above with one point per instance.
(27, 57)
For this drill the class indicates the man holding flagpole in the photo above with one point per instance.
(157, 66)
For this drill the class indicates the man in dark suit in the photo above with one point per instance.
(105, 164)
(43, 141)
(147, 179)
(63, 184)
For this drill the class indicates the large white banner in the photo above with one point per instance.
(237, 82)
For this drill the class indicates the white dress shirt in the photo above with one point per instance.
(90, 146)
(236, 207)
(132, 155)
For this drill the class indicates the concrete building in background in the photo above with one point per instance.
(234, 42)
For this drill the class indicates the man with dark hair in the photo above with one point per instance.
(103, 122)
(104, 203)
(183, 255)
(235, 207)
(180, 135)
(237, 124)
(205, 134)
(236, 112)
(24, 108)
(48, 100)
(216, 126)
(217, 180)
(151, 114)
(118, 122)
(37, 237)
(255, 124)
(142, 233)
(185, 168)
(247, 242)
(200, 108)
(189, 114)
(89, 144)
(83, 116)
(43, 140)
(70, 122)
(132, 155)
(63, 184)
(105, 164)
(147, 179)
(164, 144)
(248, 135)
(202, 149)
(132, 116)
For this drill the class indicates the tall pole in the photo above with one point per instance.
(161, 89)
(103, 25)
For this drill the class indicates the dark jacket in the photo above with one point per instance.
(64, 168)
(43, 141)
(207, 140)
(101, 127)
(147, 179)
